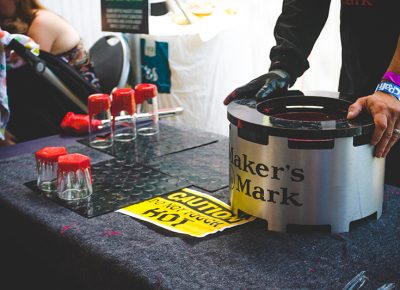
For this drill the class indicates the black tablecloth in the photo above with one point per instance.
(44, 244)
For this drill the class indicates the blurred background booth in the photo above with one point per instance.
(205, 60)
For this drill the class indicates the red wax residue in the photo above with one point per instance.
(111, 233)
(78, 123)
(311, 270)
(66, 228)
(123, 100)
(98, 103)
(144, 92)
(307, 116)
(73, 162)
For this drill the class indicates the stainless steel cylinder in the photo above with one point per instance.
(298, 161)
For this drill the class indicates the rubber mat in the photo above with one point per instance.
(169, 140)
(118, 184)
(205, 167)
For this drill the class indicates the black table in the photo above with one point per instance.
(46, 245)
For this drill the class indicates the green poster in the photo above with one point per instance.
(130, 16)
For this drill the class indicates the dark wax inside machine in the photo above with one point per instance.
(305, 109)
(300, 117)
(309, 116)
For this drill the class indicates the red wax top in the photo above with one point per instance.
(73, 162)
(98, 103)
(50, 154)
(144, 92)
(123, 100)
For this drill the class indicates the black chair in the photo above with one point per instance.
(111, 59)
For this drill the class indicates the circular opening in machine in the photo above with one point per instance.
(308, 109)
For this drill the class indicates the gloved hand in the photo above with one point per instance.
(272, 84)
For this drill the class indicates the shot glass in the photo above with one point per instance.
(74, 177)
(100, 135)
(46, 167)
(123, 114)
(147, 107)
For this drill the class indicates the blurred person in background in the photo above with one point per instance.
(53, 34)
(30, 98)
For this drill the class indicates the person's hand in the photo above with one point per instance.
(385, 110)
(272, 84)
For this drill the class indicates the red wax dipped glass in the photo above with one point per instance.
(124, 114)
(46, 167)
(147, 107)
(99, 106)
(74, 177)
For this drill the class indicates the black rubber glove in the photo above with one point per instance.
(272, 84)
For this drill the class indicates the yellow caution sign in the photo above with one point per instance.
(187, 212)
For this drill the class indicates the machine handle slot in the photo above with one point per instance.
(362, 140)
(308, 144)
(255, 136)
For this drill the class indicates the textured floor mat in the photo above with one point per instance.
(169, 140)
(205, 167)
(117, 184)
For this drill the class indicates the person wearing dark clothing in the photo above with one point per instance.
(370, 56)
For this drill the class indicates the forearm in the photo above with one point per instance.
(384, 106)
(391, 80)
(296, 32)
(395, 63)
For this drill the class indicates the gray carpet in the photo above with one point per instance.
(47, 245)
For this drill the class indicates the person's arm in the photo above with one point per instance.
(296, 32)
(385, 110)
(52, 33)
(43, 31)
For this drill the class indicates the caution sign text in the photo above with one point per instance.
(188, 212)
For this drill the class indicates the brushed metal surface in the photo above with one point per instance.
(305, 187)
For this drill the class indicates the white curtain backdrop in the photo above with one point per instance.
(206, 67)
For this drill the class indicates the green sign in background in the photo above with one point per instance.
(130, 16)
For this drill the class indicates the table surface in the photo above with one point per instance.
(45, 244)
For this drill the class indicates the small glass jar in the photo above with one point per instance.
(123, 113)
(46, 167)
(100, 131)
(74, 177)
(147, 109)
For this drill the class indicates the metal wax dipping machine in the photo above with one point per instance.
(298, 161)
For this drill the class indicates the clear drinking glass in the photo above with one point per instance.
(124, 115)
(147, 107)
(100, 136)
(74, 177)
(46, 167)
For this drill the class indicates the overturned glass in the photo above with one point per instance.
(46, 167)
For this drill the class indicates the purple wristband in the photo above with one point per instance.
(392, 77)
